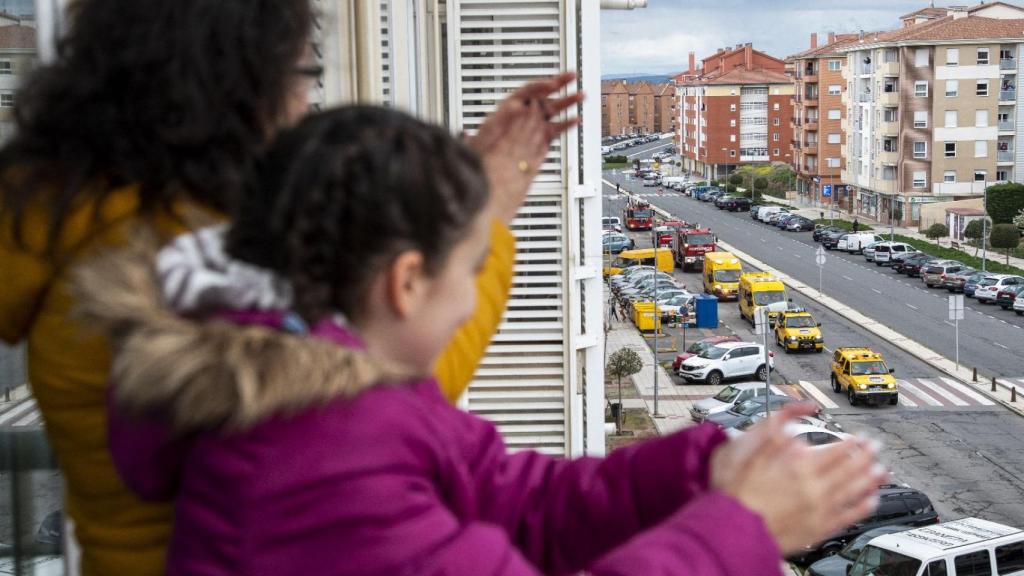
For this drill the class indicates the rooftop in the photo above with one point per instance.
(922, 542)
(17, 37)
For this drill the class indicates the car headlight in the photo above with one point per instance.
(892, 385)
(791, 338)
(819, 338)
(862, 386)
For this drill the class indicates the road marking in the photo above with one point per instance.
(917, 392)
(19, 410)
(903, 400)
(1001, 346)
(966, 391)
(648, 150)
(876, 290)
(818, 395)
(798, 256)
(942, 392)
(909, 305)
(848, 279)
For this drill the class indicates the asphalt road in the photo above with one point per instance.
(964, 458)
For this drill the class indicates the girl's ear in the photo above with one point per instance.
(407, 283)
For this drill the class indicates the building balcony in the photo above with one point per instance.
(810, 78)
(890, 129)
(1006, 126)
(811, 124)
(890, 68)
(843, 150)
(890, 158)
(1007, 63)
(811, 100)
(889, 99)
(866, 97)
(960, 188)
(1008, 96)
(811, 149)
(883, 186)
(1004, 156)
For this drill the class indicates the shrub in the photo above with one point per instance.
(973, 231)
(1005, 236)
(623, 363)
(736, 180)
(616, 159)
(936, 231)
(1004, 202)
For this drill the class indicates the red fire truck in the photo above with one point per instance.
(691, 245)
(667, 231)
(638, 215)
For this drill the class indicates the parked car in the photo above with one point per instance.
(934, 274)
(989, 287)
(831, 240)
(680, 304)
(781, 221)
(611, 223)
(813, 421)
(726, 361)
(741, 412)
(753, 210)
(736, 204)
(727, 398)
(615, 242)
(897, 504)
(911, 265)
(869, 251)
(856, 241)
(1008, 296)
(888, 253)
(773, 219)
(971, 284)
(799, 224)
(765, 211)
(955, 282)
(1018, 306)
(837, 564)
(820, 230)
(700, 346)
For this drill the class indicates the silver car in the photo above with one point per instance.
(728, 397)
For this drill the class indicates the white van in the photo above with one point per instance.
(968, 547)
(669, 180)
(857, 242)
(765, 211)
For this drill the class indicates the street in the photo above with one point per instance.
(953, 443)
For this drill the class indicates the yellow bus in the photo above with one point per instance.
(761, 290)
(721, 274)
(641, 257)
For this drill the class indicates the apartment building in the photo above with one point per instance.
(636, 107)
(932, 110)
(17, 57)
(818, 114)
(734, 108)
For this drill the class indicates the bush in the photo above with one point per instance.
(616, 159)
(736, 180)
(760, 184)
(936, 231)
(1004, 202)
(953, 254)
(730, 188)
(1005, 236)
(845, 225)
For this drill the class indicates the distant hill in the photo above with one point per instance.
(654, 78)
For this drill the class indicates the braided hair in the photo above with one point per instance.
(337, 197)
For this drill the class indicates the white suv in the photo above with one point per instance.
(727, 360)
(885, 252)
(989, 288)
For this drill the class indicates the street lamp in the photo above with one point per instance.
(984, 226)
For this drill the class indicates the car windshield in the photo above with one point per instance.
(700, 239)
(869, 368)
(642, 214)
(727, 276)
(800, 322)
(988, 282)
(748, 423)
(881, 562)
(852, 550)
(698, 347)
(750, 407)
(769, 297)
(728, 394)
(714, 352)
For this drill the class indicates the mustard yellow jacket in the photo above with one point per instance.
(68, 367)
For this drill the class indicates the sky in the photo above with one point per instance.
(657, 39)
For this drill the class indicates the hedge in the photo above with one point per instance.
(844, 225)
(953, 254)
(1004, 202)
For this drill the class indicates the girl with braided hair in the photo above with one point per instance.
(363, 230)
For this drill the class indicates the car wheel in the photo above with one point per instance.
(950, 290)
(830, 550)
(714, 378)
(894, 400)
(835, 385)
(1019, 312)
(851, 396)
(878, 263)
(762, 373)
(820, 350)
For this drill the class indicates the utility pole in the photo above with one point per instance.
(984, 228)
(892, 218)
(657, 317)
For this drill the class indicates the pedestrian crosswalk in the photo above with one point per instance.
(20, 411)
(922, 393)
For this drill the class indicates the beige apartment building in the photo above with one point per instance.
(818, 113)
(932, 110)
(637, 108)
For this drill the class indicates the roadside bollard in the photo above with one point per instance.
(993, 383)
(1013, 394)
(975, 377)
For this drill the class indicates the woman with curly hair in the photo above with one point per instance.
(154, 112)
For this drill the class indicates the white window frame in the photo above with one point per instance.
(955, 85)
(835, 65)
(946, 149)
(982, 147)
(776, 122)
(732, 107)
(775, 136)
(732, 122)
(732, 137)
(978, 91)
(918, 85)
(920, 119)
(6, 68)
(835, 89)
(775, 151)
(775, 107)
(949, 176)
(950, 119)
(732, 153)
(835, 114)
(952, 56)
(7, 100)
(1004, 174)
(987, 59)
(921, 58)
(984, 175)
(832, 163)
(924, 149)
(920, 179)
(835, 138)
(981, 118)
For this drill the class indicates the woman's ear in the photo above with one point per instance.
(407, 283)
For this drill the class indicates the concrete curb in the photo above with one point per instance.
(923, 353)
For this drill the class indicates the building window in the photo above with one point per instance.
(982, 88)
(921, 88)
(732, 107)
(949, 176)
(980, 149)
(981, 118)
(982, 55)
(921, 119)
(951, 88)
(775, 151)
(732, 122)
(1001, 175)
(732, 137)
(775, 107)
(920, 149)
(921, 58)
(980, 175)
(775, 122)
(835, 138)
(835, 89)
(832, 162)
(775, 136)
(950, 119)
(7, 100)
(835, 65)
(952, 56)
(950, 149)
(6, 68)
(920, 179)
(835, 114)
(732, 153)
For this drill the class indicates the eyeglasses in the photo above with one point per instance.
(310, 71)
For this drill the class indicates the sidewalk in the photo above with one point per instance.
(814, 213)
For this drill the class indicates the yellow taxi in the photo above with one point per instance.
(862, 374)
(795, 329)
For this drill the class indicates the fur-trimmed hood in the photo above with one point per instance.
(204, 373)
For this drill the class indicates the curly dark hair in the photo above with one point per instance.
(341, 194)
(176, 96)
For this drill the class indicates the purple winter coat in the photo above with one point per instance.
(276, 470)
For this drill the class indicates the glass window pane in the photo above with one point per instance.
(973, 564)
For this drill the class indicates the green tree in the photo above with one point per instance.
(1005, 236)
(1004, 202)
(936, 231)
(973, 232)
(897, 213)
(623, 363)
(736, 179)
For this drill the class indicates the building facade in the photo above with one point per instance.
(615, 109)
(735, 108)
(18, 53)
(636, 108)
(933, 110)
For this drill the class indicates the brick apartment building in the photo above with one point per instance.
(818, 113)
(735, 108)
(637, 108)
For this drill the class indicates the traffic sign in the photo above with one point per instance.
(956, 307)
(826, 190)
(819, 256)
(760, 321)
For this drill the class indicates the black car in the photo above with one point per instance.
(836, 564)
(738, 204)
(896, 505)
(831, 240)
(821, 230)
(743, 411)
(911, 265)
